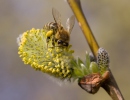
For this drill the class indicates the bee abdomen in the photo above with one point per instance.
(51, 26)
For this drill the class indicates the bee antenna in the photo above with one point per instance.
(53, 11)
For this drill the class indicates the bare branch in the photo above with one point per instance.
(110, 84)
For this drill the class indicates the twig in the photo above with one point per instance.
(110, 84)
(76, 7)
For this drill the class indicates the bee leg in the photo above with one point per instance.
(53, 41)
(48, 35)
(47, 41)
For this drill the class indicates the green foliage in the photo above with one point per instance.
(94, 67)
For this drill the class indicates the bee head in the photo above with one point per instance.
(62, 43)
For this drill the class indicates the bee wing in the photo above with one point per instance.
(70, 23)
(56, 16)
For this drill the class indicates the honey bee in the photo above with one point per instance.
(57, 32)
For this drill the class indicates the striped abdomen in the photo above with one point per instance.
(51, 26)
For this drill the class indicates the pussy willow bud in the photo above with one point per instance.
(103, 60)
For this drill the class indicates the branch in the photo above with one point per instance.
(76, 7)
(110, 84)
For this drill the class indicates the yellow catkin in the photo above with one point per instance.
(54, 61)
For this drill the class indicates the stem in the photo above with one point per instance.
(112, 88)
(110, 84)
(76, 7)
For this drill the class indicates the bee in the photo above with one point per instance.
(56, 31)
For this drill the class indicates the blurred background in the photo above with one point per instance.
(110, 23)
